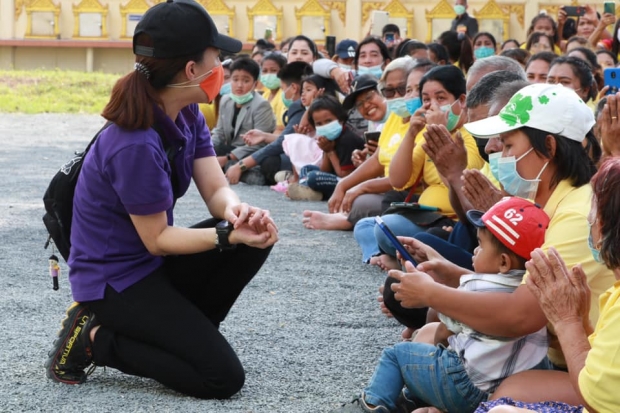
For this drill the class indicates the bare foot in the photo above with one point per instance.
(323, 220)
(385, 262)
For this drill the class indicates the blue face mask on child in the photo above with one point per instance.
(413, 104)
(331, 131)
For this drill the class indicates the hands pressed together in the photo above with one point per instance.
(252, 226)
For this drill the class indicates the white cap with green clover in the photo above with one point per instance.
(551, 108)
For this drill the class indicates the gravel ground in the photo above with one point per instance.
(307, 329)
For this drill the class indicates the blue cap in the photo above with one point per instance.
(346, 49)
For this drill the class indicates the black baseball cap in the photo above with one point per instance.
(360, 84)
(180, 28)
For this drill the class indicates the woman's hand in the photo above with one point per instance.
(418, 250)
(233, 173)
(449, 155)
(561, 16)
(254, 137)
(349, 197)
(610, 126)
(417, 122)
(607, 19)
(435, 116)
(563, 294)
(334, 204)
(255, 236)
(410, 289)
(480, 192)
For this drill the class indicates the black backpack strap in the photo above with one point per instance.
(171, 153)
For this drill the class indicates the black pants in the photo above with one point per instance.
(165, 327)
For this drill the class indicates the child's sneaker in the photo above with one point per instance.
(282, 176)
(280, 187)
(72, 351)
(299, 192)
(358, 405)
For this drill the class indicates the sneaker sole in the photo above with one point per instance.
(72, 318)
(299, 192)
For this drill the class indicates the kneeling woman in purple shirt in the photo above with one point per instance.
(150, 296)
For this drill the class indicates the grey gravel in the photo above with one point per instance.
(307, 329)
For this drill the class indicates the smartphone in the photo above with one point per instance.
(389, 37)
(609, 7)
(378, 19)
(399, 247)
(330, 45)
(372, 136)
(415, 205)
(268, 33)
(611, 77)
(574, 11)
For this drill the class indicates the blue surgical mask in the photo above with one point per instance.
(331, 131)
(225, 89)
(242, 99)
(483, 52)
(270, 81)
(345, 67)
(286, 101)
(413, 104)
(459, 9)
(453, 119)
(596, 254)
(398, 107)
(512, 182)
(493, 164)
(375, 71)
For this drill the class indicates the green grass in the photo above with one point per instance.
(54, 91)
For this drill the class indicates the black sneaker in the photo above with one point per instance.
(358, 405)
(72, 351)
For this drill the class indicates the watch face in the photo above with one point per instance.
(223, 225)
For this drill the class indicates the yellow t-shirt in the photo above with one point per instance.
(392, 135)
(599, 380)
(568, 232)
(436, 193)
(277, 105)
(208, 110)
(486, 171)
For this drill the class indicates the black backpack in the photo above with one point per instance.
(58, 198)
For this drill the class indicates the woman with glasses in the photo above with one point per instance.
(359, 195)
(442, 92)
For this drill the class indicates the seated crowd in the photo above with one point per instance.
(495, 165)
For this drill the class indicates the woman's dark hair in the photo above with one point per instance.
(543, 16)
(569, 29)
(515, 41)
(407, 47)
(329, 103)
(615, 43)
(382, 48)
(311, 44)
(535, 37)
(247, 65)
(276, 57)
(570, 159)
(423, 64)
(440, 51)
(582, 70)
(595, 67)
(264, 45)
(581, 40)
(459, 48)
(520, 55)
(605, 186)
(608, 53)
(134, 96)
(449, 76)
(285, 42)
(546, 56)
(484, 34)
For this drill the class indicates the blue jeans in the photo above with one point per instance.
(314, 178)
(372, 240)
(432, 374)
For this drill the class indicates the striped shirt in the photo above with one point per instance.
(488, 360)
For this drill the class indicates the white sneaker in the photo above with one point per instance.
(298, 192)
(282, 176)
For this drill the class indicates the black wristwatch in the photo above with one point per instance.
(222, 231)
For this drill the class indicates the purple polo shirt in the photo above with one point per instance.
(127, 172)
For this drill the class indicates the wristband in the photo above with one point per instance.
(242, 166)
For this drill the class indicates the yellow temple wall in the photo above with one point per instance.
(46, 33)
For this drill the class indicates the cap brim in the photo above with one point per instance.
(475, 217)
(349, 101)
(490, 127)
(227, 44)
